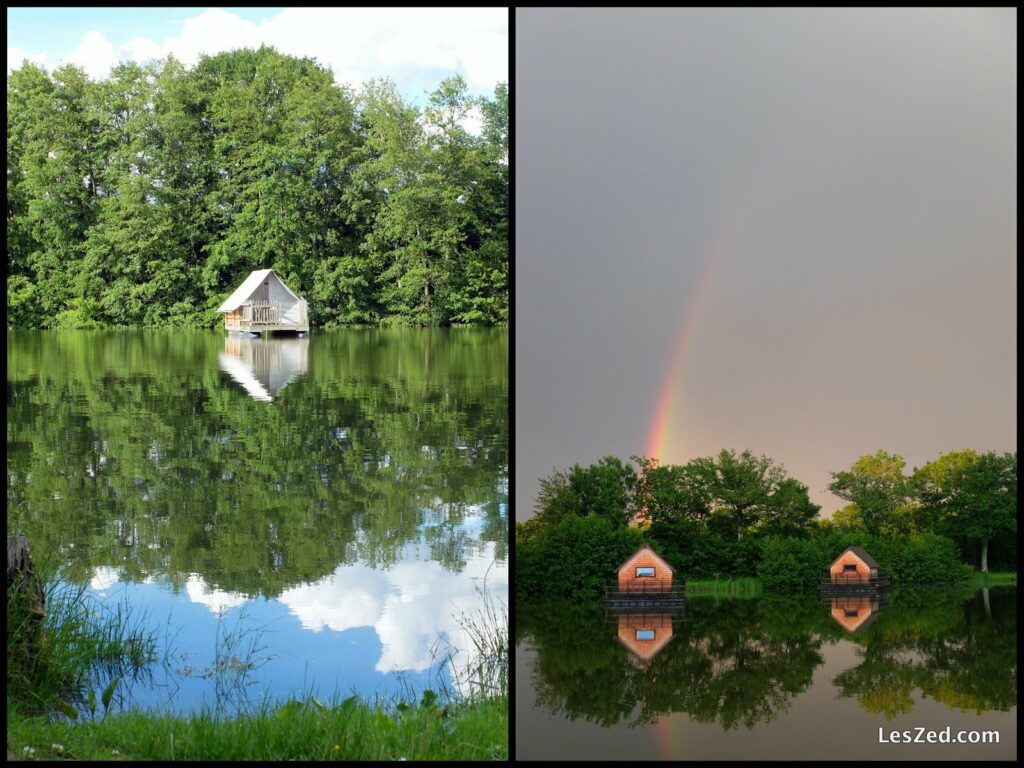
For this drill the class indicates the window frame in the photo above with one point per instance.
(645, 575)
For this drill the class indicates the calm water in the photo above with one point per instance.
(292, 515)
(769, 678)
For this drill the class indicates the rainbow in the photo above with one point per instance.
(658, 445)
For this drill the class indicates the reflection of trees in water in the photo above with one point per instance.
(958, 648)
(742, 662)
(132, 449)
(728, 662)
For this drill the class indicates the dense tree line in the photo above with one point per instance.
(145, 198)
(742, 515)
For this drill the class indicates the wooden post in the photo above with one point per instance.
(26, 601)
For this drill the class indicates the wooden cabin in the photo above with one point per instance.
(854, 571)
(645, 571)
(853, 566)
(644, 634)
(264, 303)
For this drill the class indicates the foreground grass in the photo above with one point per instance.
(352, 730)
(979, 579)
(82, 642)
(79, 640)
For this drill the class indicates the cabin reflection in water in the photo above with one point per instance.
(264, 367)
(854, 613)
(645, 634)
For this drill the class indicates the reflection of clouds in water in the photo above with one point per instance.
(410, 605)
(214, 599)
(103, 578)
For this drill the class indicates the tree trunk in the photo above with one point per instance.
(26, 601)
(984, 556)
(988, 606)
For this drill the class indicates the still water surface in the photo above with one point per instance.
(291, 515)
(768, 678)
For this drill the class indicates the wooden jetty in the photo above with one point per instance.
(263, 303)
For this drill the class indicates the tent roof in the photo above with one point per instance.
(246, 289)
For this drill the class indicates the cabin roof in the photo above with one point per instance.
(641, 549)
(248, 287)
(860, 552)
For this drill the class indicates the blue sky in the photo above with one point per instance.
(416, 47)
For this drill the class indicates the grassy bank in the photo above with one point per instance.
(993, 579)
(352, 730)
(742, 586)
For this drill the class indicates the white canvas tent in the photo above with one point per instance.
(264, 303)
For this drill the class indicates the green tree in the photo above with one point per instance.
(143, 198)
(753, 494)
(971, 496)
(877, 485)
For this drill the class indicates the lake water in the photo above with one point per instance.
(769, 678)
(291, 515)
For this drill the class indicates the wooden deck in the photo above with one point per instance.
(639, 595)
(257, 317)
(853, 584)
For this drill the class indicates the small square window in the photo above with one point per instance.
(849, 568)
(851, 612)
(645, 634)
(644, 571)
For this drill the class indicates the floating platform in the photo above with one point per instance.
(831, 587)
(615, 597)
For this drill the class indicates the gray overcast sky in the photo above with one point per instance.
(846, 181)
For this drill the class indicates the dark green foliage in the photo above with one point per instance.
(791, 564)
(572, 559)
(145, 198)
(970, 497)
(737, 515)
(603, 489)
(702, 553)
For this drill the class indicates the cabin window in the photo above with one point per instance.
(645, 634)
(849, 568)
(850, 612)
(644, 570)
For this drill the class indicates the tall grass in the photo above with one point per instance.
(82, 642)
(979, 579)
(743, 586)
(486, 673)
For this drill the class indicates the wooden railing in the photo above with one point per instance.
(263, 314)
(653, 589)
(854, 579)
(255, 313)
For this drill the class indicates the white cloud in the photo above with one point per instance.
(94, 54)
(357, 44)
(16, 55)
